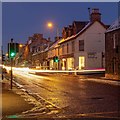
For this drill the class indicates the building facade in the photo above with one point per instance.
(112, 51)
(20, 57)
(32, 52)
(37, 49)
(53, 52)
(84, 46)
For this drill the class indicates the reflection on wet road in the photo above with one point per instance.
(70, 94)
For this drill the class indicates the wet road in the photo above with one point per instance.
(71, 95)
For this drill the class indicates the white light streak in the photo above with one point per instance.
(53, 71)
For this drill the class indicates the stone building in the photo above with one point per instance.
(28, 55)
(112, 50)
(37, 45)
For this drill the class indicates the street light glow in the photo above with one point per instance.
(50, 25)
(6, 54)
(20, 45)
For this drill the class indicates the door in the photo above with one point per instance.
(81, 62)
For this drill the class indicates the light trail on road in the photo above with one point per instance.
(71, 95)
(55, 71)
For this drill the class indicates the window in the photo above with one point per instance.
(73, 46)
(81, 45)
(63, 49)
(114, 41)
(67, 47)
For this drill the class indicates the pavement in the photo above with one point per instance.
(12, 103)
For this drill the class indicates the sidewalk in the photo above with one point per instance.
(12, 103)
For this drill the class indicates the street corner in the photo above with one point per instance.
(5, 84)
(13, 104)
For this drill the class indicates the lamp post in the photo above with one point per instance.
(50, 25)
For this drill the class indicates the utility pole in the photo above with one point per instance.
(2, 60)
(11, 68)
(11, 74)
(13, 48)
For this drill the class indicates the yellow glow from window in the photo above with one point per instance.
(81, 62)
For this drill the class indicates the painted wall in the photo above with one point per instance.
(94, 42)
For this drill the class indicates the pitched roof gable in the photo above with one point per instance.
(79, 25)
(81, 31)
(115, 25)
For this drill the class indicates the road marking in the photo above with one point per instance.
(95, 115)
(30, 93)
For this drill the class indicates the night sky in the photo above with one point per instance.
(23, 19)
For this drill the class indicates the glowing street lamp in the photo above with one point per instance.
(6, 54)
(49, 24)
(20, 45)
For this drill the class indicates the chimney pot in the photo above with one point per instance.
(95, 15)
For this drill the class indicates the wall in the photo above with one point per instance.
(112, 56)
(94, 41)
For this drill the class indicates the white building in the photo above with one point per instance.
(85, 48)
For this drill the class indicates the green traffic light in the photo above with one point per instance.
(12, 54)
(56, 60)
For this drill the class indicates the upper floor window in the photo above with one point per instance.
(73, 46)
(81, 45)
(115, 40)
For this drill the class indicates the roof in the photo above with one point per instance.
(115, 25)
(80, 24)
(81, 31)
(55, 44)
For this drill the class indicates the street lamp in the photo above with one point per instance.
(6, 54)
(20, 45)
(50, 24)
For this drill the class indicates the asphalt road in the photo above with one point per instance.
(69, 96)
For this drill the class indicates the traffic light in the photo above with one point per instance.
(13, 48)
(56, 59)
(3, 57)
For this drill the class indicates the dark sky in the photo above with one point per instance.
(23, 19)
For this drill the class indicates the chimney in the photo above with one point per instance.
(57, 38)
(95, 15)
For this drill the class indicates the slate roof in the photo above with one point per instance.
(55, 44)
(80, 24)
(115, 25)
(81, 31)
